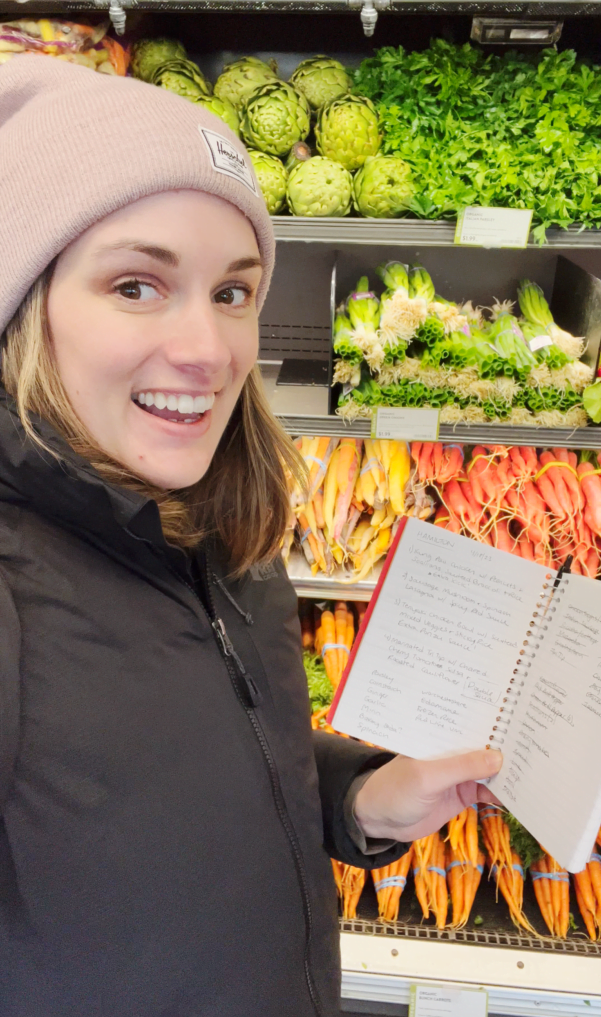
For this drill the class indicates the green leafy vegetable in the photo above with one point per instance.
(321, 692)
(523, 842)
(591, 400)
(511, 129)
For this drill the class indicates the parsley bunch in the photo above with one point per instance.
(513, 130)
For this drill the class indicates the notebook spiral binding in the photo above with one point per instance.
(545, 606)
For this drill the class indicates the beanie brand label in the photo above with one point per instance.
(228, 160)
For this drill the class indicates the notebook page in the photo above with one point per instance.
(441, 645)
(550, 777)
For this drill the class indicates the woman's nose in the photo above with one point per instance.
(198, 342)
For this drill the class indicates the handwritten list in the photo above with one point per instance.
(547, 779)
(438, 654)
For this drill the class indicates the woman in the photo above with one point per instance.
(163, 852)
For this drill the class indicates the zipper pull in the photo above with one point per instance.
(227, 648)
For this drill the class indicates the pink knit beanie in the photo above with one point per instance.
(76, 145)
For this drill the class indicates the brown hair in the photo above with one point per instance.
(242, 500)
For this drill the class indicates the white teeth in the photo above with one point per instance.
(181, 404)
(203, 403)
(185, 404)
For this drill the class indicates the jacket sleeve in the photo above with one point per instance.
(339, 762)
(10, 646)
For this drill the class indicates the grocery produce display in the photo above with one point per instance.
(410, 347)
(540, 505)
(508, 129)
(87, 45)
(480, 844)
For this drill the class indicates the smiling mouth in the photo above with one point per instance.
(179, 409)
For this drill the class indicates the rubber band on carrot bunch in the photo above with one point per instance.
(389, 883)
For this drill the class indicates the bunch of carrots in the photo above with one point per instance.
(332, 636)
(465, 864)
(588, 893)
(389, 883)
(355, 495)
(542, 507)
(552, 889)
(504, 863)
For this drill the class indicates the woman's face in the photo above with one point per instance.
(153, 319)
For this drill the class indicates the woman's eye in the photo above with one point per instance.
(234, 296)
(133, 289)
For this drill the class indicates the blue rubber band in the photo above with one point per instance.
(390, 881)
(305, 535)
(314, 459)
(473, 807)
(557, 876)
(371, 462)
(595, 857)
(434, 868)
(455, 863)
(480, 869)
(333, 646)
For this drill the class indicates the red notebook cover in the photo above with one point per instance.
(366, 619)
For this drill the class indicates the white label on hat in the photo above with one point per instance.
(227, 159)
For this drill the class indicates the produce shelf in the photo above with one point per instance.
(329, 587)
(545, 8)
(401, 232)
(379, 967)
(475, 434)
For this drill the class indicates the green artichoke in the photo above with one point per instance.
(148, 54)
(175, 81)
(382, 187)
(181, 68)
(347, 131)
(223, 109)
(321, 79)
(273, 177)
(319, 187)
(274, 118)
(242, 78)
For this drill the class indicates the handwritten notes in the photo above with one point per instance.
(547, 779)
(441, 646)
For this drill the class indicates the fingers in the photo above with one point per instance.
(442, 774)
(486, 797)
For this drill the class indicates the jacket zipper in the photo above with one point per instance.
(252, 697)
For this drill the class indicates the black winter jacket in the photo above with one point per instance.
(163, 852)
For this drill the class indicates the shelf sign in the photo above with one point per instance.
(436, 1001)
(493, 227)
(406, 424)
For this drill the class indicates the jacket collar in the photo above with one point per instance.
(69, 491)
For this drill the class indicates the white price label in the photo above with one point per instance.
(405, 424)
(493, 227)
(436, 1001)
(539, 342)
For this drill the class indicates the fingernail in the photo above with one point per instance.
(495, 760)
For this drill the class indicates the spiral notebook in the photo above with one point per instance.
(464, 646)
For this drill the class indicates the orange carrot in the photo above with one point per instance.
(329, 655)
(390, 881)
(471, 834)
(586, 902)
(340, 625)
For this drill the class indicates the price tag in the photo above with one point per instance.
(539, 342)
(493, 227)
(406, 424)
(434, 1001)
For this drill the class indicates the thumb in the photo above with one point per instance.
(449, 771)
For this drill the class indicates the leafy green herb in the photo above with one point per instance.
(523, 842)
(513, 130)
(321, 692)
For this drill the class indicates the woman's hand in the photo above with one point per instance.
(410, 798)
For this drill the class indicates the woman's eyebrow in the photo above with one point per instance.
(161, 254)
(243, 263)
